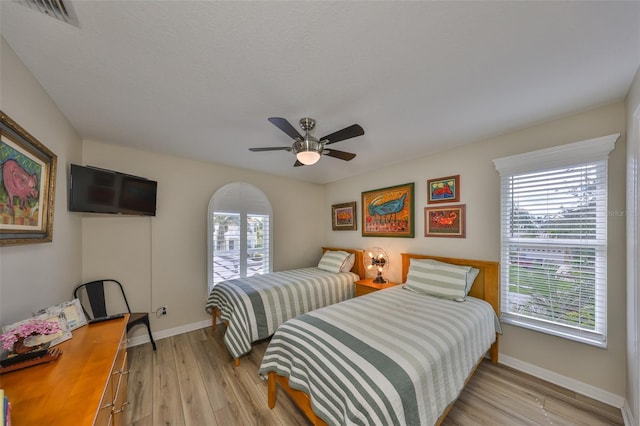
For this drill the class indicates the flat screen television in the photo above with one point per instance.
(96, 190)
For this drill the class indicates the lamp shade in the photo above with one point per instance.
(307, 150)
(308, 157)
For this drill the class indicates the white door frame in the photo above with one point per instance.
(633, 259)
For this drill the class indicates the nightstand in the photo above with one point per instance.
(368, 286)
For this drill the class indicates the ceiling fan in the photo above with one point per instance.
(308, 149)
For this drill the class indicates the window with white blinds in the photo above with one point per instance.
(554, 240)
(239, 237)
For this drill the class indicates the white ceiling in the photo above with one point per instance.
(200, 78)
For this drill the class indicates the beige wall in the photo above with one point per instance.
(34, 276)
(633, 253)
(480, 192)
(163, 260)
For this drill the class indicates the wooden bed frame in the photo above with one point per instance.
(486, 287)
(357, 268)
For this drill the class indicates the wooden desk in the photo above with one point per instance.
(90, 373)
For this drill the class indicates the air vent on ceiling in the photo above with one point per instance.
(59, 9)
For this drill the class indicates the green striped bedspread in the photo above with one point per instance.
(256, 306)
(393, 357)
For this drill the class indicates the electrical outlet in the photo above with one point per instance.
(162, 310)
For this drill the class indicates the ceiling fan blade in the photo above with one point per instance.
(298, 164)
(346, 133)
(271, 148)
(285, 126)
(346, 156)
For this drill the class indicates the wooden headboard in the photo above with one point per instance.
(358, 267)
(486, 286)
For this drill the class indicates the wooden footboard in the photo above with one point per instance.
(450, 406)
(299, 398)
(215, 313)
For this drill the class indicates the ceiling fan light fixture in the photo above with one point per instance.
(308, 157)
(308, 151)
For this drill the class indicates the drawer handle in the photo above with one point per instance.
(125, 372)
(107, 405)
(124, 405)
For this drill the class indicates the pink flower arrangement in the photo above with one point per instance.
(26, 329)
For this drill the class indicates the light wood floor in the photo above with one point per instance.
(190, 380)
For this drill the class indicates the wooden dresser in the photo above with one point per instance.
(86, 385)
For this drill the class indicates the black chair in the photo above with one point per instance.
(94, 292)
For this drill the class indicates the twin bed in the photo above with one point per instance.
(392, 357)
(252, 308)
(396, 356)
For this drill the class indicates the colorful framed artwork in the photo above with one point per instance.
(449, 221)
(343, 217)
(27, 185)
(389, 212)
(443, 190)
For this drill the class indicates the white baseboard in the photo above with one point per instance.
(566, 382)
(627, 415)
(157, 335)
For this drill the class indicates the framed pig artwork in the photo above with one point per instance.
(27, 186)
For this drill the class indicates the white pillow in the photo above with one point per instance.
(335, 261)
(471, 277)
(348, 263)
(440, 279)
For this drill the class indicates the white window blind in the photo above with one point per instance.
(258, 247)
(226, 246)
(239, 239)
(554, 240)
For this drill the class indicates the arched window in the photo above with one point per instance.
(239, 233)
